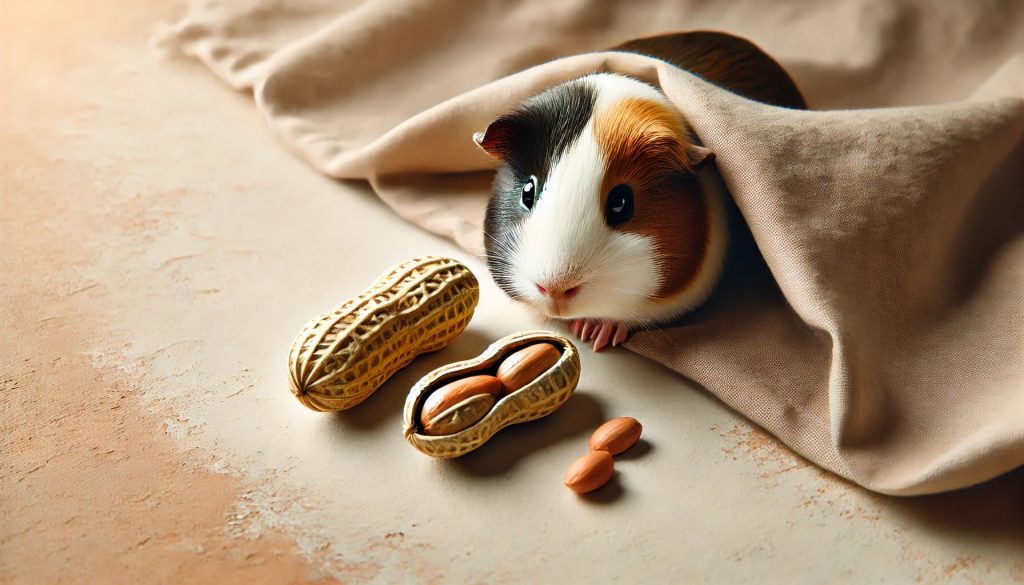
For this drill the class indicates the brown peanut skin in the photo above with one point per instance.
(455, 392)
(590, 472)
(459, 417)
(525, 365)
(616, 435)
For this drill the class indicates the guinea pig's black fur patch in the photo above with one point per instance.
(532, 138)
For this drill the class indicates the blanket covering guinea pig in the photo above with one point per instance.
(605, 209)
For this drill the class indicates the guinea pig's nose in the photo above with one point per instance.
(558, 292)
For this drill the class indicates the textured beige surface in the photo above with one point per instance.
(152, 239)
(877, 328)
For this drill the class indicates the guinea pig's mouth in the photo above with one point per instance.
(557, 308)
(554, 308)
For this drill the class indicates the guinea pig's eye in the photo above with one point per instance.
(619, 208)
(529, 195)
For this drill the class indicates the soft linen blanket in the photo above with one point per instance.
(875, 323)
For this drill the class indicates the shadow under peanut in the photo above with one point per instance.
(639, 449)
(577, 418)
(386, 404)
(606, 494)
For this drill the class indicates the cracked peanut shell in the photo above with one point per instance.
(538, 398)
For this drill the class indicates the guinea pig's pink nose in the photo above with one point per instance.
(558, 292)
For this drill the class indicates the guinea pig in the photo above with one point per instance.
(606, 210)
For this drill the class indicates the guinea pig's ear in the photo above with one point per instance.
(698, 156)
(497, 139)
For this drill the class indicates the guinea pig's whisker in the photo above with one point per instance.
(504, 246)
(635, 293)
(666, 256)
(502, 242)
(501, 255)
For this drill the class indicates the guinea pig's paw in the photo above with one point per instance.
(602, 333)
(609, 333)
(576, 326)
(584, 329)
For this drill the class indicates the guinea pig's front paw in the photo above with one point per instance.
(602, 333)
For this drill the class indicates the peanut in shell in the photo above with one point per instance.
(341, 357)
(518, 369)
(456, 391)
(458, 417)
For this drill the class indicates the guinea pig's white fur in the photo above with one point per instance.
(566, 240)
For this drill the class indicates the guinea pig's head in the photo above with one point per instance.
(598, 208)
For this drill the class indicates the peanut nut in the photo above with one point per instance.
(459, 417)
(455, 392)
(590, 472)
(523, 366)
(616, 435)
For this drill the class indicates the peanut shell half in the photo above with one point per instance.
(536, 399)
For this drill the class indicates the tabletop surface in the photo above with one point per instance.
(161, 250)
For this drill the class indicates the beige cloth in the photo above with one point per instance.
(880, 330)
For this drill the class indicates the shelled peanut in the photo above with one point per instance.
(616, 435)
(596, 468)
(590, 472)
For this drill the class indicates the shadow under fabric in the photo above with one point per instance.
(878, 329)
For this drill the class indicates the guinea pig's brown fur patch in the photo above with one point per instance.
(645, 146)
